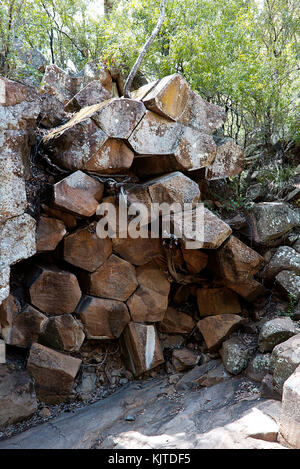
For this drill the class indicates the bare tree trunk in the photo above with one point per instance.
(142, 54)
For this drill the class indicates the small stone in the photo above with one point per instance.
(259, 367)
(235, 355)
(45, 412)
(130, 418)
(184, 359)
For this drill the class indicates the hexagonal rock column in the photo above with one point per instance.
(102, 318)
(150, 301)
(176, 322)
(138, 251)
(235, 261)
(115, 279)
(24, 327)
(215, 231)
(216, 329)
(169, 97)
(49, 232)
(141, 347)
(119, 116)
(62, 333)
(53, 372)
(85, 249)
(290, 411)
(78, 194)
(59, 83)
(54, 291)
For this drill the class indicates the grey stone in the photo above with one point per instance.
(290, 411)
(289, 284)
(259, 366)
(276, 331)
(235, 355)
(285, 258)
(17, 396)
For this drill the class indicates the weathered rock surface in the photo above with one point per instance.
(235, 355)
(92, 93)
(17, 396)
(216, 329)
(184, 359)
(195, 260)
(85, 249)
(24, 327)
(141, 347)
(290, 411)
(176, 322)
(212, 301)
(289, 284)
(78, 194)
(17, 239)
(96, 70)
(274, 332)
(102, 318)
(49, 232)
(119, 116)
(150, 300)
(228, 162)
(259, 367)
(115, 279)
(62, 333)
(250, 290)
(236, 262)
(137, 251)
(284, 360)
(54, 291)
(59, 83)
(202, 422)
(271, 220)
(285, 258)
(53, 373)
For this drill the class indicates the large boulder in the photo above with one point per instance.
(284, 360)
(17, 396)
(53, 373)
(270, 221)
(274, 332)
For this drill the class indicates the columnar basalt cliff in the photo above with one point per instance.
(77, 142)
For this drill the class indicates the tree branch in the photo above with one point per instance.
(143, 52)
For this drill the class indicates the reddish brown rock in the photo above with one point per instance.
(183, 359)
(195, 260)
(102, 319)
(216, 329)
(229, 161)
(115, 279)
(8, 310)
(150, 301)
(250, 290)
(212, 301)
(73, 144)
(25, 327)
(213, 231)
(68, 219)
(92, 93)
(168, 97)
(85, 249)
(12, 92)
(62, 333)
(141, 347)
(54, 291)
(138, 251)
(49, 232)
(236, 262)
(53, 372)
(173, 187)
(59, 83)
(113, 156)
(79, 194)
(176, 322)
(119, 116)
